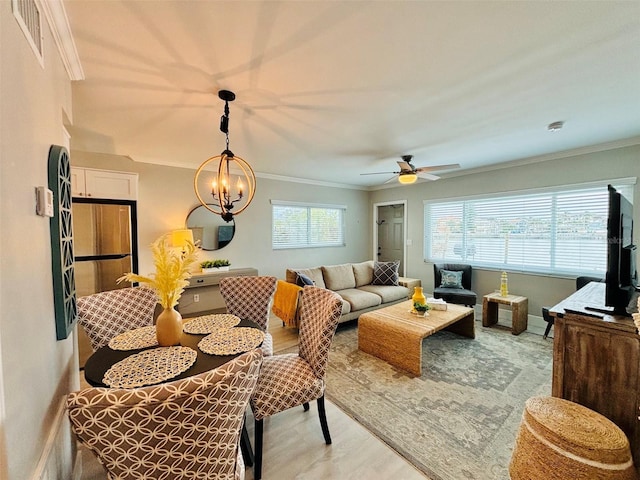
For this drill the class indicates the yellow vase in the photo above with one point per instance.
(169, 327)
(418, 296)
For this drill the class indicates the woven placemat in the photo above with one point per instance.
(134, 339)
(210, 323)
(231, 341)
(150, 367)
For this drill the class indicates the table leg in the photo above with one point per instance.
(465, 326)
(489, 313)
(519, 316)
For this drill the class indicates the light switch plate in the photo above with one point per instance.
(44, 202)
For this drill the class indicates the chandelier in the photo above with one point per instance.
(230, 181)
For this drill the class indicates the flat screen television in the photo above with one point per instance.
(622, 278)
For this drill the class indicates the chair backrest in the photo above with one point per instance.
(466, 270)
(188, 428)
(249, 297)
(105, 315)
(319, 315)
(582, 281)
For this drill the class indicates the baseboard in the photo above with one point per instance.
(55, 461)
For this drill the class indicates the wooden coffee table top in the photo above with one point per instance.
(399, 316)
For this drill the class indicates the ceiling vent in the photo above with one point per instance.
(29, 17)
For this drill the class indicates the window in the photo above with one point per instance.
(297, 225)
(552, 231)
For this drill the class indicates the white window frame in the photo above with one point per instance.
(306, 239)
(480, 253)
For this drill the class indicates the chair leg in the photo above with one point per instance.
(257, 461)
(305, 406)
(547, 330)
(245, 446)
(323, 420)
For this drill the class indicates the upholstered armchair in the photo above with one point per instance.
(187, 429)
(250, 298)
(452, 283)
(294, 379)
(105, 315)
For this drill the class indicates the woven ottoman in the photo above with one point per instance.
(559, 439)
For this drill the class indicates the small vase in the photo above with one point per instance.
(169, 327)
(418, 296)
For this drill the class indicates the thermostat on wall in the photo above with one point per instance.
(44, 202)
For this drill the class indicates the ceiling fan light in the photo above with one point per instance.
(407, 178)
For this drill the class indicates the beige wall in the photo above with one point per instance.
(36, 370)
(541, 290)
(166, 196)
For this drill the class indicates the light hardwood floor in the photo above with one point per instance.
(294, 447)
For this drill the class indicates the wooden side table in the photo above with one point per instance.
(410, 283)
(519, 311)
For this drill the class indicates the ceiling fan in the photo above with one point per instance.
(409, 174)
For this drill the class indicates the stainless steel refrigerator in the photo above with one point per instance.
(105, 243)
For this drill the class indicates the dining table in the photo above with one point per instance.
(103, 360)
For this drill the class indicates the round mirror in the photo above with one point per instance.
(212, 231)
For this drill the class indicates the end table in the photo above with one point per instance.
(519, 311)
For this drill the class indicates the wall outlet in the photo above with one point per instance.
(196, 298)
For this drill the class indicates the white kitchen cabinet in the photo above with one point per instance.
(92, 183)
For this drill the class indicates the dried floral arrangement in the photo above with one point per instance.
(172, 270)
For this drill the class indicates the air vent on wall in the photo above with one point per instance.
(29, 17)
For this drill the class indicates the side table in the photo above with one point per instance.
(519, 311)
(410, 283)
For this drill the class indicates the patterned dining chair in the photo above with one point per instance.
(290, 380)
(250, 297)
(105, 315)
(187, 429)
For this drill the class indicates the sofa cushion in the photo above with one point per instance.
(363, 272)
(315, 274)
(385, 273)
(302, 280)
(359, 299)
(339, 277)
(388, 293)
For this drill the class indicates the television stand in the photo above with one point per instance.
(596, 360)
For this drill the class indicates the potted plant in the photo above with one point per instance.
(421, 309)
(211, 266)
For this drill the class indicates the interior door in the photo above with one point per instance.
(391, 234)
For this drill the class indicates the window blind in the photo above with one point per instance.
(553, 232)
(304, 226)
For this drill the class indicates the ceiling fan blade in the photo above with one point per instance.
(428, 176)
(404, 166)
(391, 179)
(378, 173)
(437, 167)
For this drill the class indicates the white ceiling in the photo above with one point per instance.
(327, 90)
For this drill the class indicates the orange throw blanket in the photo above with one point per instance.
(285, 302)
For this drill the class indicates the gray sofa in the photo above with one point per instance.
(353, 282)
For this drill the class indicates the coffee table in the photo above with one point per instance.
(395, 335)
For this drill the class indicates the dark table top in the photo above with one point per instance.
(104, 358)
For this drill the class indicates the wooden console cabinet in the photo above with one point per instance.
(202, 296)
(596, 361)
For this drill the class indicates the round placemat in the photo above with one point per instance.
(210, 323)
(150, 367)
(134, 339)
(231, 341)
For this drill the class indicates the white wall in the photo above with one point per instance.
(36, 370)
(541, 290)
(166, 196)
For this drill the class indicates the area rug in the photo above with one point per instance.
(459, 420)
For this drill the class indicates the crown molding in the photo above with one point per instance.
(58, 22)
